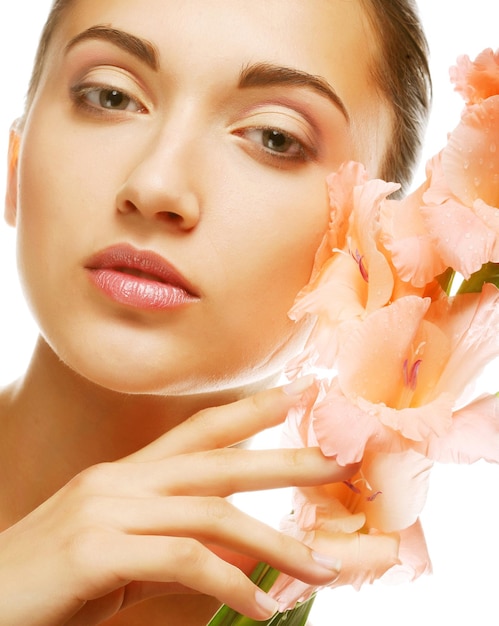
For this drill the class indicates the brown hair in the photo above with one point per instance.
(402, 75)
(400, 72)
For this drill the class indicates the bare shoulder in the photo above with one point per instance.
(6, 396)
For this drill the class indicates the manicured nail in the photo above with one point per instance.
(327, 561)
(268, 605)
(298, 386)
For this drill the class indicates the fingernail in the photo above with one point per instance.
(298, 386)
(327, 561)
(268, 605)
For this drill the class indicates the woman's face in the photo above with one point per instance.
(196, 145)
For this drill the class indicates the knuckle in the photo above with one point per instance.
(259, 404)
(189, 553)
(93, 479)
(89, 511)
(217, 510)
(202, 420)
(293, 461)
(235, 583)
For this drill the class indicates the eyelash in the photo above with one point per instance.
(304, 153)
(80, 96)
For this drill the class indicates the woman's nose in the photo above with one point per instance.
(162, 184)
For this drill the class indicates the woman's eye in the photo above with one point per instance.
(277, 142)
(113, 99)
(107, 98)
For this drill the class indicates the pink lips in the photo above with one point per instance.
(139, 279)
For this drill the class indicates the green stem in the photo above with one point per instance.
(263, 576)
(446, 279)
(489, 273)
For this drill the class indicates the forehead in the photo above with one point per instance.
(323, 37)
(204, 44)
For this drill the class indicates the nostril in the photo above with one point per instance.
(127, 207)
(169, 216)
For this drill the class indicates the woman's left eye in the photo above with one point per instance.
(107, 98)
(277, 142)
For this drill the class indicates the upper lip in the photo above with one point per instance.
(126, 257)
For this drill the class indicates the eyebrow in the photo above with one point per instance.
(255, 75)
(265, 74)
(140, 48)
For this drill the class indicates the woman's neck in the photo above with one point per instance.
(55, 424)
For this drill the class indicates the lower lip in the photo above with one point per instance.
(139, 293)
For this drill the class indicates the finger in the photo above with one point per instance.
(234, 471)
(96, 611)
(215, 521)
(218, 472)
(229, 471)
(189, 563)
(227, 425)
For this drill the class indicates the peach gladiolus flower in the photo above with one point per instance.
(413, 253)
(461, 206)
(352, 281)
(479, 79)
(402, 356)
(396, 405)
(401, 377)
(377, 511)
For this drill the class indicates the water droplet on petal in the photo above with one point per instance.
(493, 147)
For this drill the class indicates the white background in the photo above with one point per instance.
(461, 518)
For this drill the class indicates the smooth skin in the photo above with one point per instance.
(151, 516)
(223, 177)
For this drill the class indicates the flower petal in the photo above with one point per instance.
(414, 557)
(373, 351)
(470, 160)
(402, 480)
(471, 325)
(343, 429)
(478, 79)
(364, 559)
(462, 240)
(474, 435)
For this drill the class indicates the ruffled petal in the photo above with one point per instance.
(373, 351)
(317, 508)
(478, 79)
(341, 188)
(463, 232)
(413, 554)
(472, 327)
(343, 429)
(470, 160)
(415, 424)
(364, 559)
(474, 435)
(401, 484)
(365, 237)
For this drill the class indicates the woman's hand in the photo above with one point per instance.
(121, 532)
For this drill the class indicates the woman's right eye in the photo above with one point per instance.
(105, 98)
